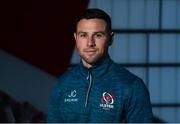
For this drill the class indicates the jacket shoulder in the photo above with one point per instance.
(124, 75)
(69, 74)
(120, 71)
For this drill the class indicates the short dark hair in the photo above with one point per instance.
(95, 13)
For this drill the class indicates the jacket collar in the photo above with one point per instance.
(98, 70)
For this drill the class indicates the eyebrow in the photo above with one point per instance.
(102, 32)
(81, 32)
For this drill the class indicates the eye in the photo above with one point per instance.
(98, 35)
(83, 35)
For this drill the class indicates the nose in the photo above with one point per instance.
(91, 42)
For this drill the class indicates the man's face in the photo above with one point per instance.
(92, 40)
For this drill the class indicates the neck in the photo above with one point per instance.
(89, 65)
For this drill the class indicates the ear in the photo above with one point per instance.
(75, 35)
(111, 37)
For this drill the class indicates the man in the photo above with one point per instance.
(98, 90)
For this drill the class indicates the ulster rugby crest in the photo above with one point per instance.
(107, 101)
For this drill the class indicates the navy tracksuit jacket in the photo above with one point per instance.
(104, 93)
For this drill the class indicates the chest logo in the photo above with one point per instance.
(107, 101)
(72, 94)
(71, 97)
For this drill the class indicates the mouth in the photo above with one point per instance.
(90, 52)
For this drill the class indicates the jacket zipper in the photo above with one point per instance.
(89, 88)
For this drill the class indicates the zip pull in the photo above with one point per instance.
(89, 77)
(89, 74)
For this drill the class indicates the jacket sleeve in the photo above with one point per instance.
(138, 107)
(54, 115)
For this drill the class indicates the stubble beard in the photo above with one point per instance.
(93, 59)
